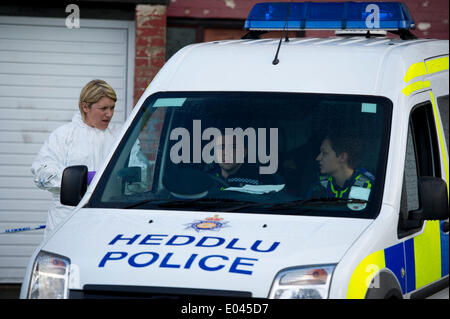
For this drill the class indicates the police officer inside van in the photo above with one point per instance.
(337, 159)
(230, 169)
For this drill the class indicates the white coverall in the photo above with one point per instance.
(74, 143)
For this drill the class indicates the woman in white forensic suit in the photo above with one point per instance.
(86, 140)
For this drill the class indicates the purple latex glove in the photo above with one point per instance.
(90, 177)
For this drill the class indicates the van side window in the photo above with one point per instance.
(425, 140)
(411, 175)
(422, 159)
(442, 102)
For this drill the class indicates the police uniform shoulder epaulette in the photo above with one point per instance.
(364, 179)
(366, 173)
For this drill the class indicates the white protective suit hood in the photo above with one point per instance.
(74, 143)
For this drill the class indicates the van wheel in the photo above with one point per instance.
(393, 294)
(384, 286)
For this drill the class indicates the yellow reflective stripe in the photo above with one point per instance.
(427, 254)
(441, 140)
(364, 273)
(341, 193)
(437, 65)
(415, 70)
(412, 87)
(335, 192)
(423, 68)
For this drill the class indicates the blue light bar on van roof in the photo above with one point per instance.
(329, 16)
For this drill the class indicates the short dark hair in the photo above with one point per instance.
(346, 144)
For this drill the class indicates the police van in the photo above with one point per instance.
(172, 213)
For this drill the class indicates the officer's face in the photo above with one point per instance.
(99, 114)
(226, 153)
(329, 163)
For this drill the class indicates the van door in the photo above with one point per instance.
(426, 246)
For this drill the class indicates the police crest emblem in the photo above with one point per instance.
(210, 223)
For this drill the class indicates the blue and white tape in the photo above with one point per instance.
(20, 229)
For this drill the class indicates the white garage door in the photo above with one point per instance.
(43, 66)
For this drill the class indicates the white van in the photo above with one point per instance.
(183, 224)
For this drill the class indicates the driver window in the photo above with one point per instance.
(421, 159)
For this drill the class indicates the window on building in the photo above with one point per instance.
(177, 38)
(185, 31)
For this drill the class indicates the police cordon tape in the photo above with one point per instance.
(20, 229)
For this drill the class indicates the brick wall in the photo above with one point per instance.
(150, 45)
(431, 17)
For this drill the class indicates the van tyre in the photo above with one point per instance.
(384, 286)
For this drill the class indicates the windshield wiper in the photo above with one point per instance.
(140, 203)
(301, 202)
(318, 202)
(187, 203)
(201, 202)
(215, 202)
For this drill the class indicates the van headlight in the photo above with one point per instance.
(311, 282)
(50, 277)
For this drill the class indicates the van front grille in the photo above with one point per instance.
(142, 292)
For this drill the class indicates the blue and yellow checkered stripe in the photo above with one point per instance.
(415, 262)
(426, 256)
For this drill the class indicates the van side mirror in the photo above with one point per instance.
(433, 198)
(73, 185)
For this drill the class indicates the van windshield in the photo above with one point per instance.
(267, 153)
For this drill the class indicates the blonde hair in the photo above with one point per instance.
(93, 92)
